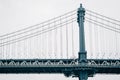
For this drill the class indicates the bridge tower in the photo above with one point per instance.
(82, 57)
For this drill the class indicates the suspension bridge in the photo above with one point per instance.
(80, 43)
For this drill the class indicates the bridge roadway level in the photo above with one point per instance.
(69, 67)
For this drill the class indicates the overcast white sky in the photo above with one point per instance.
(18, 14)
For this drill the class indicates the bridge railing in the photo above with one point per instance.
(59, 63)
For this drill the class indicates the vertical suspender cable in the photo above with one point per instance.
(42, 44)
(15, 54)
(61, 43)
(101, 41)
(55, 50)
(46, 44)
(36, 47)
(116, 43)
(96, 40)
(5, 51)
(90, 36)
(49, 42)
(104, 42)
(27, 44)
(8, 52)
(1, 50)
(24, 49)
(72, 41)
(109, 44)
(93, 41)
(30, 51)
(66, 39)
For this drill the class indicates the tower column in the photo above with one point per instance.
(83, 75)
(80, 20)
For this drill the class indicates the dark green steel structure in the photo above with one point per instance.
(82, 52)
(80, 67)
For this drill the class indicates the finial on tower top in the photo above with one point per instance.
(80, 5)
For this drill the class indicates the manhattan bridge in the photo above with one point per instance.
(80, 43)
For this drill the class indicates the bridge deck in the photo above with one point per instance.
(66, 66)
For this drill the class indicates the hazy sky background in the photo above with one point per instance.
(18, 14)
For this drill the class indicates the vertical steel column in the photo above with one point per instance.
(83, 75)
(80, 20)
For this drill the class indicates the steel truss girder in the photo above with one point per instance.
(69, 67)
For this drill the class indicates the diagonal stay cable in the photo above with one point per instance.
(102, 15)
(103, 19)
(102, 26)
(38, 23)
(41, 30)
(31, 35)
(103, 23)
(22, 32)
